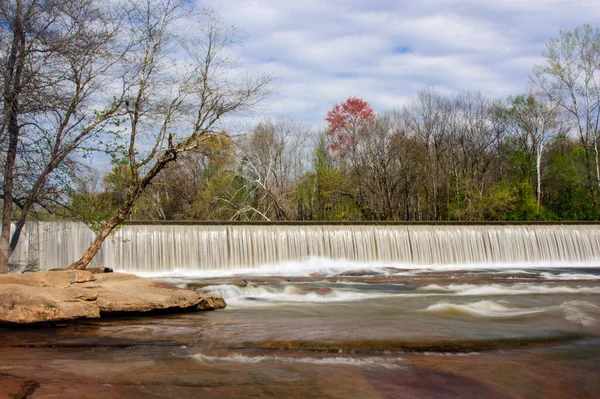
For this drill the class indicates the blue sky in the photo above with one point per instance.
(384, 51)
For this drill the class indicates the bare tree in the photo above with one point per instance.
(532, 122)
(174, 104)
(272, 162)
(473, 138)
(429, 118)
(54, 58)
(378, 166)
(570, 77)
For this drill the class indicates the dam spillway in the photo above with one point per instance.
(163, 247)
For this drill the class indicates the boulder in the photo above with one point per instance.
(126, 293)
(63, 278)
(26, 304)
(50, 297)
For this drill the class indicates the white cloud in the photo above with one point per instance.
(385, 51)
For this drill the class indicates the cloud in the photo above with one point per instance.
(386, 51)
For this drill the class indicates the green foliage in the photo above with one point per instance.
(510, 201)
(325, 194)
(567, 196)
(504, 200)
(92, 208)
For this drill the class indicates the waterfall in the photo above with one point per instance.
(56, 244)
(164, 247)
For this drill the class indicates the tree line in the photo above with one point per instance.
(149, 82)
(444, 157)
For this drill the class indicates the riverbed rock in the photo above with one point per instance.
(16, 387)
(126, 293)
(62, 278)
(25, 304)
(64, 296)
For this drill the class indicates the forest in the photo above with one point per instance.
(461, 157)
(82, 83)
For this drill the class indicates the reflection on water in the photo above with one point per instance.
(360, 333)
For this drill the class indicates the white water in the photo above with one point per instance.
(569, 276)
(480, 309)
(271, 295)
(162, 249)
(576, 312)
(336, 360)
(504, 289)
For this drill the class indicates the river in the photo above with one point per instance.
(327, 328)
(356, 333)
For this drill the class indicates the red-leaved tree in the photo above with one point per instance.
(346, 122)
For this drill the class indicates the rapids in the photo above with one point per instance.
(351, 333)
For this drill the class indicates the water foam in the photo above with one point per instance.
(310, 267)
(336, 361)
(498, 289)
(326, 267)
(569, 276)
(578, 312)
(480, 309)
(259, 295)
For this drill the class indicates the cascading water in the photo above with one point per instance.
(164, 247)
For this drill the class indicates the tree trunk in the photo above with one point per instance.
(123, 213)
(596, 161)
(16, 235)
(94, 247)
(319, 197)
(590, 181)
(14, 240)
(7, 204)
(12, 89)
(538, 177)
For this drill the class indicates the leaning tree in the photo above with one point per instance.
(180, 83)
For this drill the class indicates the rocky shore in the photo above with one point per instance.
(64, 296)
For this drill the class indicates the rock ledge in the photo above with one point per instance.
(63, 296)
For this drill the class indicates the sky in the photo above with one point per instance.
(320, 52)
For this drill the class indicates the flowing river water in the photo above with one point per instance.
(362, 328)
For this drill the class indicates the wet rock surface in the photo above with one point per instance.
(16, 387)
(132, 358)
(64, 296)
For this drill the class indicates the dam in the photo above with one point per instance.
(149, 247)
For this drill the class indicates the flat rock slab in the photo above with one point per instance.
(62, 296)
(126, 293)
(63, 278)
(22, 304)
(16, 387)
